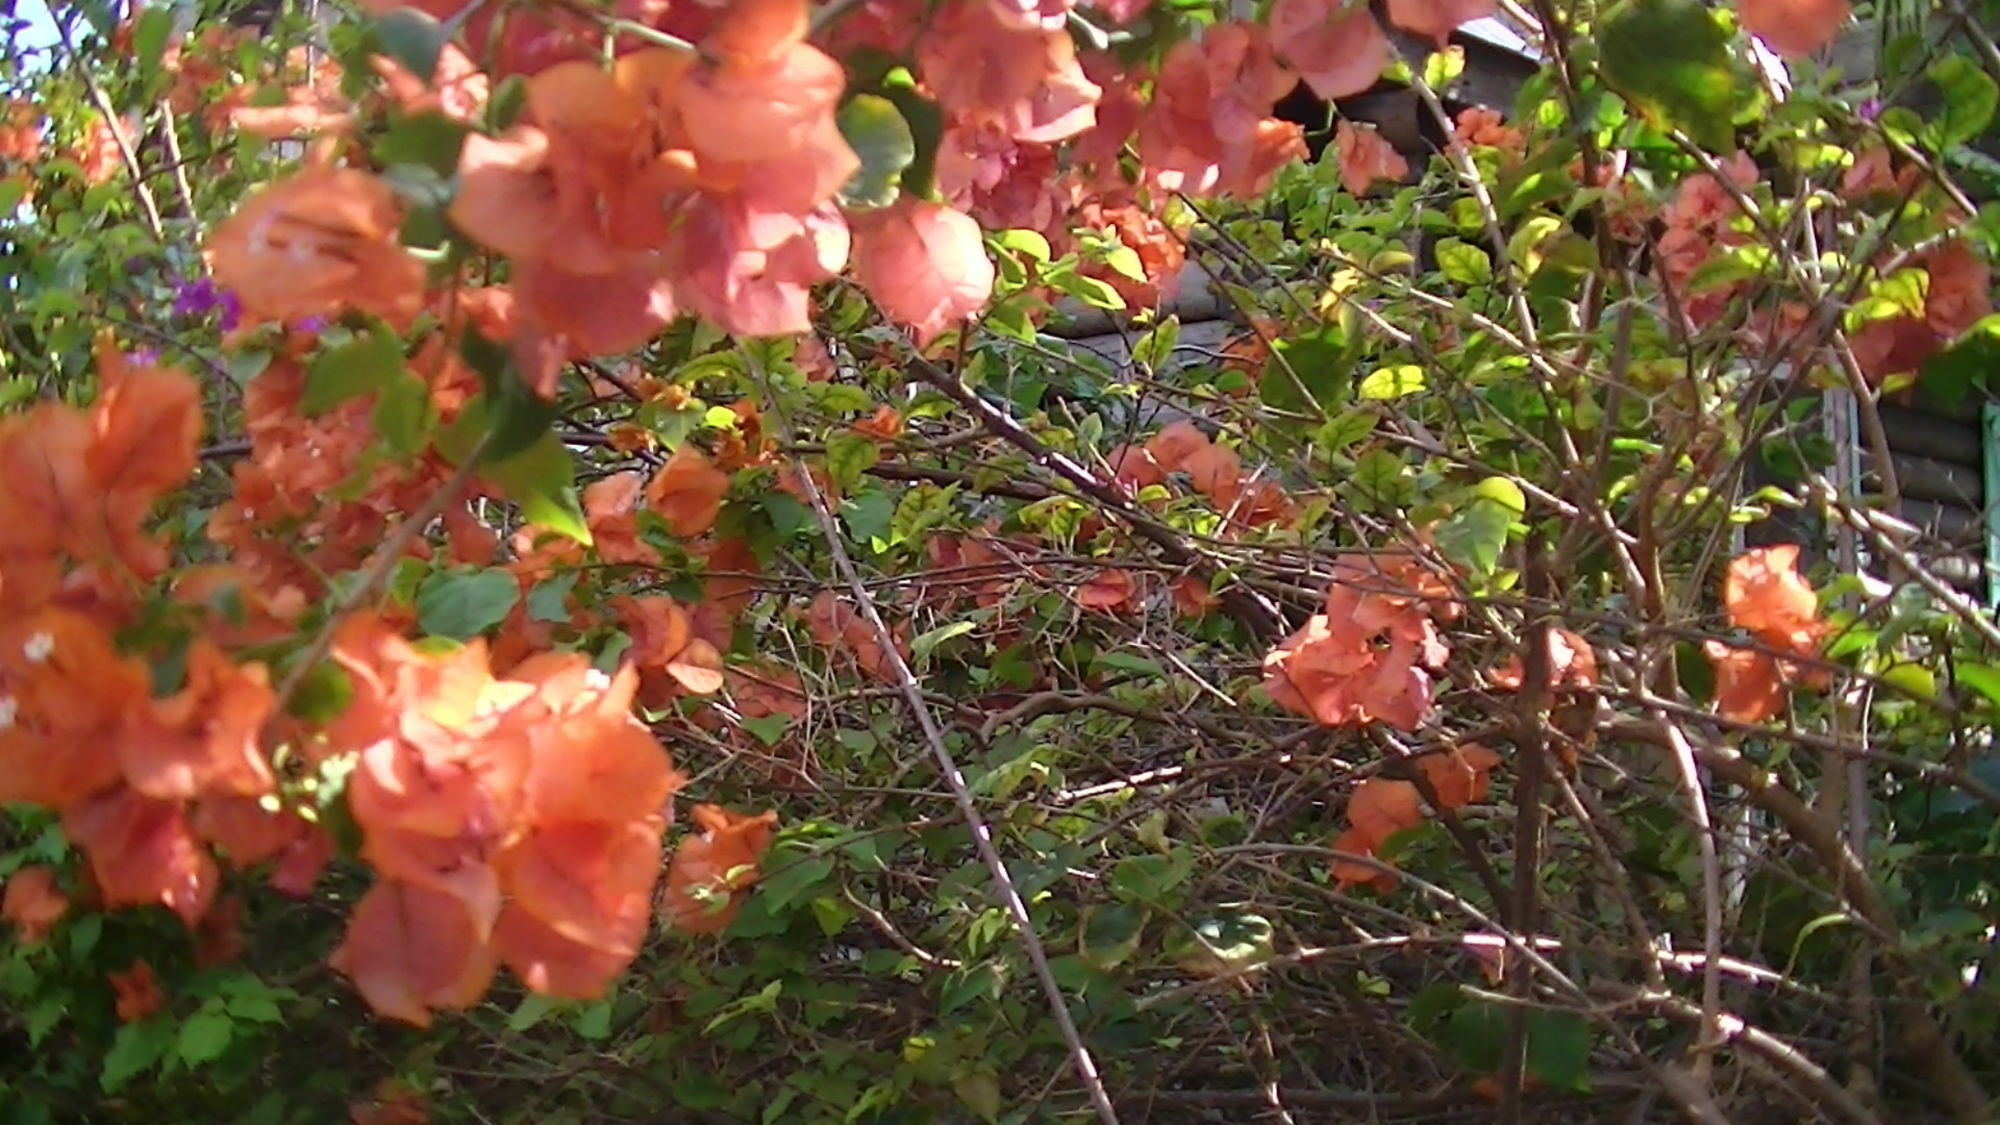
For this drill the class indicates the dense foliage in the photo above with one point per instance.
(556, 563)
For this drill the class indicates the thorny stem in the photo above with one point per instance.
(982, 834)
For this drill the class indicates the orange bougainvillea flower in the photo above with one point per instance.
(1208, 128)
(836, 624)
(320, 241)
(1572, 665)
(709, 869)
(687, 492)
(611, 508)
(205, 738)
(457, 88)
(1365, 157)
(1437, 19)
(1794, 27)
(1379, 808)
(1764, 594)
(1107, 590)
(1459, 776)
(410, 950)
(137, 991)
(925, 264)
(1353, 873)
(143, 853)
(81, 482)
(1478, 125)
(663, 642)
(64, 695)
(1192, 596)
(885, 425)
(980, 66)
(218, 938)
(1337, 47)
(590, 758)
(1367, 657)
(580, 896)
(1749, 685)
(33, 903)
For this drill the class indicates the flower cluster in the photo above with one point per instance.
(1369, 654)
(1764, 595)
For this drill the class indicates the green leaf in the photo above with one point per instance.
(1967, 100)
(1503, 491)
(1738, 263)
(1384, 480)
(1983, 678)
(1089, 290)
(877, 133)
(1398, 381)
(922, 647)
(1147, 878)
(402, 414)
(322, 693)
(869, 516)
(1464, 263)
(768, 729)
(926, 124)
(1125, 261)
(542, 480)
(549, 599)
(1475, 535)
(461, 605)
(1915, 679)
(1346, 430)
(423, 140)
(368, 362)
(149, 37)
(136, 1048)
(1321, 362)
(1559, 1048)
(1151, 350)
(533, 1007)
(1226, 943)
(413, 38)
(1028, 243)
(1671, 59)
(848, 456)
(251, 999)
(204, 1036)
(793, 875)
(1442, 68)
(979, 1090)
(594, 1021)
(1107, 935)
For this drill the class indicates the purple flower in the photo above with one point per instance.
(313, 324)
(196, 297)
(144, 357)
(201, 296)
(1869, 109)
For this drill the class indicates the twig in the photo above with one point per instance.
(112, 122)
(1531, 736)
(982, 834)
(378, 572)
